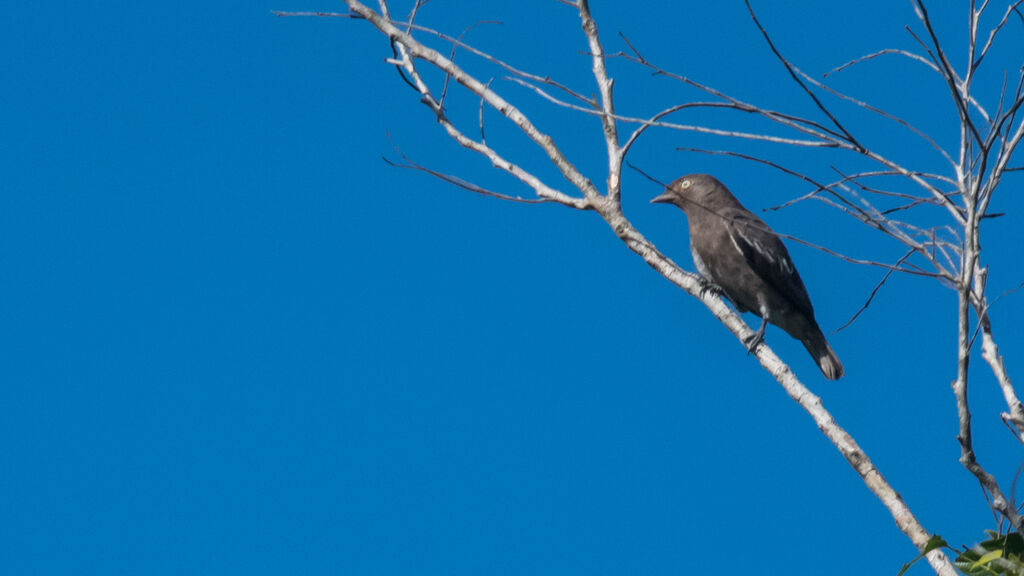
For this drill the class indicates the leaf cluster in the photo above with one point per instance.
(1000, 555)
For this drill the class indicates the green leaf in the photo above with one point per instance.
(987, 558)
(934, 542)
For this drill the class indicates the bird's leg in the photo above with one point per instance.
(757, 337)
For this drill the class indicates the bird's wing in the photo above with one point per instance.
(768, 257)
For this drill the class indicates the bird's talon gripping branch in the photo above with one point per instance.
(709, 286)
(752, 341)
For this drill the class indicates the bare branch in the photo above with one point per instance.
(914, 176)
(828, 138)
(892, 267)
(281, 14)
(685, 127)
(990, 353)
(874, 55)
(878, 173)
(604, 85)
(952, 80)
(894, 228)
(942, 250)
(647, 176)
(873, 292)
(496, 159)
(870, 174)
(992, 34)
(483, 136)
(543, 141)
(804, 125)
(411, 51)
(795, 74)
(968, 458)
(543, 190)
(456, 181)
(415, 10)
(647, 124)
(934, 65)
(501, 63)
(880, 112)
(451, 56)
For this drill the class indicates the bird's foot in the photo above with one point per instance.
(754, 339)
(709, 286)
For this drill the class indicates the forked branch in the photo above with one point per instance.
(947, 252)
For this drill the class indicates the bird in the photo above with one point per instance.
(738, 255)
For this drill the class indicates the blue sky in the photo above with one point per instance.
(236, 342)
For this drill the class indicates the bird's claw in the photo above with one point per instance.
(753, 340)
(709, 286)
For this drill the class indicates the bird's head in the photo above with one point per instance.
(691, 191)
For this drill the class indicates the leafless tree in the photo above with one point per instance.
(948, 250)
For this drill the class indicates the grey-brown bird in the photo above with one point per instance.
(739, 254)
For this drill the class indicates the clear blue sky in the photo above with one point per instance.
(236, 342)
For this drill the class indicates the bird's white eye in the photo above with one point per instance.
(685, 184)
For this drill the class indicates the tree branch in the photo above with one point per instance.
(608, 207)
(604, 85)
(545, 142)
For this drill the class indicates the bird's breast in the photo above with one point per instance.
(698, 262)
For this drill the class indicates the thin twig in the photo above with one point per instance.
(283, 14)
(947, 72)
(416, 50)
(796, 77)
(455, 180)
(451, 56)
(685, 127)
(646, 175)
(874, 55)
(827, 138)
(992, 35)
(880, 112)
(501, 63)
(874, 292)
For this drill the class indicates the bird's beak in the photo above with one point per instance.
(666, 197)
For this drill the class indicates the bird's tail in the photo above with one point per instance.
(823, 354)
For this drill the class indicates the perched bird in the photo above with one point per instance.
(739, 255)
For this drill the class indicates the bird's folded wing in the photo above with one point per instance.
(768, 257)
